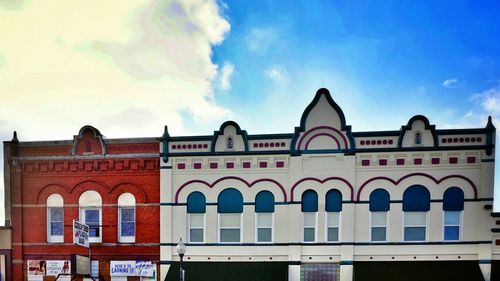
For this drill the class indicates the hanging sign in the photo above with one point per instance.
(80, 234)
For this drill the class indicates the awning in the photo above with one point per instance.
(418, 271)
(230, 271)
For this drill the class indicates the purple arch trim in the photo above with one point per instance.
(319, 128)
(321, 181)
(322, 134)
(396, 182)
(249, 184)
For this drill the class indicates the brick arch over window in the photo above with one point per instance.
(99, 187)
(335, 135)
(248, 184)
(435, 180)
(322, 181)
(128, 187)
(49, 189)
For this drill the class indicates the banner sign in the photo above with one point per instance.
(132, 268)
(145, 268)
(152, 277)
(122, 268)
(55, 268)
(80, 234)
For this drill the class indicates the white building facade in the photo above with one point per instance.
(327, 203)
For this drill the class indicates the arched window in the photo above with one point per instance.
(90, 204)
(264, 216)
(418, 138)
(379, 205)
(230, 208)
(333, 207)
(229, 143)
(196, 208)
(416, 204)
(309, 201)
(126, 218)
(309, 212)
(453, 205)
(55, 218)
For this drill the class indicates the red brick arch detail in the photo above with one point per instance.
(97, 186)
(346, 145)
(321, 181)
(211, 185)
(322, 134)
(136, 190)
(52, 188)
(396, 182)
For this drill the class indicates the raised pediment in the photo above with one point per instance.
(418, 133)
(322, 127)
(229, 138)
(89, 141)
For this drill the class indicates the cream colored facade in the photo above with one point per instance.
(324, 154)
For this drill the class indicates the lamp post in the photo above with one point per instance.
(181, 250)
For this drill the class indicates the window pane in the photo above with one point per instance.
(378, 234)
(333, 234)
(415, 218)
(451, 218)
(414, 233)
(56, 214)
(230, 220)
(93, 230)
(310, 219)
(196, 220)
(379, 218)
(230, 235)
(265, 220)
(333, 218)
(56, 228)
(196, 235)
(264, 235)
(309, 235)
(128, 228)
(128, 214)
(451, 232)
(91, 216)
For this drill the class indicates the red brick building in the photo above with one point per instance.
(110, 184)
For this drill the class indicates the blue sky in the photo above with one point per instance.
(374, 57)
(191, 65)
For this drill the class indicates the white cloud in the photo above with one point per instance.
(127, 69)
(153, 56)
(277, 74)
(259, 39)
(470, 114)
(491, 102)
(225, 76)
(450, 83)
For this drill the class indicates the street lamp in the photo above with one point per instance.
(181, 250)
